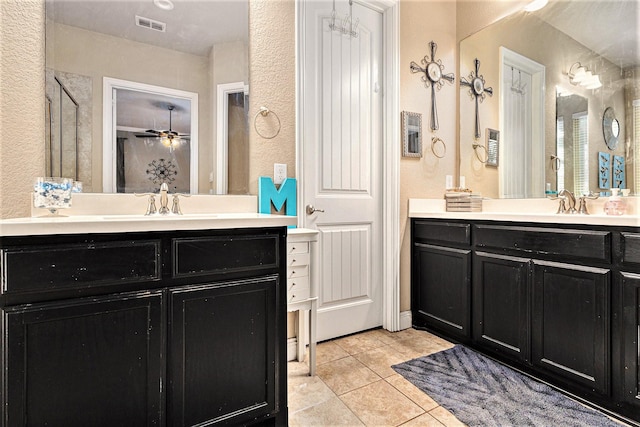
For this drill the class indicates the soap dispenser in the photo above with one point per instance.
(615, 205)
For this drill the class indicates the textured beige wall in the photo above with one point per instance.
(272, 84)
(422, 22)
(21, 103)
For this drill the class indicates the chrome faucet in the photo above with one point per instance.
(563, 195)
(164, 202)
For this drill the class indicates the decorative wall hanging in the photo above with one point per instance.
(161, 171)
(618, 179)
(433, 78)
(411, 134)
(477, 90)
(604, 170)
(493, 141)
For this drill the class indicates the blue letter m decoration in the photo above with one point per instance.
(268, 194)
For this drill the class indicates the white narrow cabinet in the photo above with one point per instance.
(302, 294)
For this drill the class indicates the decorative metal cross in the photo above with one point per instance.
(477, 90)
(433, 78)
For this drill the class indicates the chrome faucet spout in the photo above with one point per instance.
(164, 199)
(572, 200)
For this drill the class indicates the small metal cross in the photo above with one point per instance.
(477, 90)
(433, 78)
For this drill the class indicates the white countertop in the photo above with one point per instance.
(525, 210)
(80, 224)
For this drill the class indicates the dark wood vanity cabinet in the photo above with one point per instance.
(559, 302)
(443, 294)
(502, 304)
(186, 328)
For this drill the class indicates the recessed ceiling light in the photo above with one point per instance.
(535, 5)
(164, 4)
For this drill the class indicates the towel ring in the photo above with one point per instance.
(264, 112)
(555, 166)
(435, 141)
(475, 145)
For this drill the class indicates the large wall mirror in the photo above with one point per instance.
(182, 49)
(527, 58)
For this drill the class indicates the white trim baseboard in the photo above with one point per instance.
(292, 349)
(405, 319)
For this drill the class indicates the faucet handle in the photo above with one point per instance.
(562, 207)
(151, 209)
(175, 205)
(151, 206)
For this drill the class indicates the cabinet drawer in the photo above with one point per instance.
(299, 271)
(630, 245)
(79, 265)
(585, 244)
(298, 248)
(297, 259)
(223, 254)
(298, 295)
(297, 283)
(442, 232)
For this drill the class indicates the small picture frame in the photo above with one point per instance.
(493, 146)
(411, 134)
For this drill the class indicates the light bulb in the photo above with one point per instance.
(593, 83)
(535, 5)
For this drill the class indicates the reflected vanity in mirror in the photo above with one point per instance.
(551, 39)
(194, 48)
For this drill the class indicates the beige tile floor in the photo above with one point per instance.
(356, 386)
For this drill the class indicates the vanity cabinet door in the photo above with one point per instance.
(631, 334)
(502, 304)
(223, 352)
(441, 289)
(571, 323)
(85, 362)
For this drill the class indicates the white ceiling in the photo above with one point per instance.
(193, 26)
(607, 27)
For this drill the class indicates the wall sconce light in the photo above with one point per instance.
(580, 75)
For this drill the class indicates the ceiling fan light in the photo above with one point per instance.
(535, 5)
(164, 4)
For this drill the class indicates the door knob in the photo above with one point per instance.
(311, 210)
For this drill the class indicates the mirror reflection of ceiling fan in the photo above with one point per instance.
(168, 138)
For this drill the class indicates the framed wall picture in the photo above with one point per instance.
(411, 134)
(493, 142)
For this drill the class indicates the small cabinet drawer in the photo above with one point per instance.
(297, 283)
(298, 248)
(630, 247)
(299, 271)
(297, 259)
(79, 265)
(450, 232)
(298, 295)
(200, 256)
(567, 243)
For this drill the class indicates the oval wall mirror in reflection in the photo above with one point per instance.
(554, 37)
(196, 47)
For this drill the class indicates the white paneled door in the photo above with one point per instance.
(341, 152)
